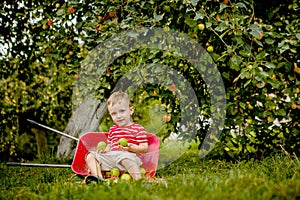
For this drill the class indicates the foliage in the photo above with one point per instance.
(255, 48)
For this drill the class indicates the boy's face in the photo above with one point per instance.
(120, 113)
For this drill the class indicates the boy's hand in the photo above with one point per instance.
(130, 147)
(141, 148)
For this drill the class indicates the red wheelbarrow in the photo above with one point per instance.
(88, 142)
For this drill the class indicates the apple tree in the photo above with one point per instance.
(256, 49)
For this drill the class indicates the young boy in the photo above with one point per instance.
(114, 155)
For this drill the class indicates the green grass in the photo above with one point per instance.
(276, 177)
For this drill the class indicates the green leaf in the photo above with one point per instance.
(275, 84)
(79, 24)
(241, 5)
(190, 22)
(20, 14)
(254, 30)
(199, 15)
(235, 61)
(247, 83)
(222, 7)
(284, 48)
(270, 65)
(60, 12)
(233, 134)
(271, 13)
(250, 148)
(245, 53)
(261, 55)
(226, 75)
(157, 18)
(221, 27)
(265, 74)
(278, 24)
(242, 105)
(270, 41)
(208, 24)
(194, 2)
(281, 112)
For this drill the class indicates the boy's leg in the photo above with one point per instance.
(93, 165)
(132, 168)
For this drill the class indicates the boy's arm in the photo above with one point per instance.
(108, 147)
(141, 148)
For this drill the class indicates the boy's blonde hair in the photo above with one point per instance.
(116, 97)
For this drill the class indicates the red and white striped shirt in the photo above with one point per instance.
(134, 133)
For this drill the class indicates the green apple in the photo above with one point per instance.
(270, 119)
(115, 172)
(166, 8)
(125, 177)
(201, 27)
(101, 146)
(249, 67)
(249, 121)
(250, 107)
(210, 49)
(143, 171)
(123, 142)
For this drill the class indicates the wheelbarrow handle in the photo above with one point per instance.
(37, 165)
(51, 129)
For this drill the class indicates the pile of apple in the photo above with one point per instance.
(114, 173)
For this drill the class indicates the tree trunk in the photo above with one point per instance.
(41, 142)
(86, 118)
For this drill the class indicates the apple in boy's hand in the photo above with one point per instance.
(115, 172)
(123, 142)
(101, 146)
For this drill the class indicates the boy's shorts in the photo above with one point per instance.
(111, 159)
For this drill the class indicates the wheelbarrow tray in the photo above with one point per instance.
(89, 141)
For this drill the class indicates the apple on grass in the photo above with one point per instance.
(125, 177)
(123, 142)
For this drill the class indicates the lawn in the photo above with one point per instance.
(275, 177)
